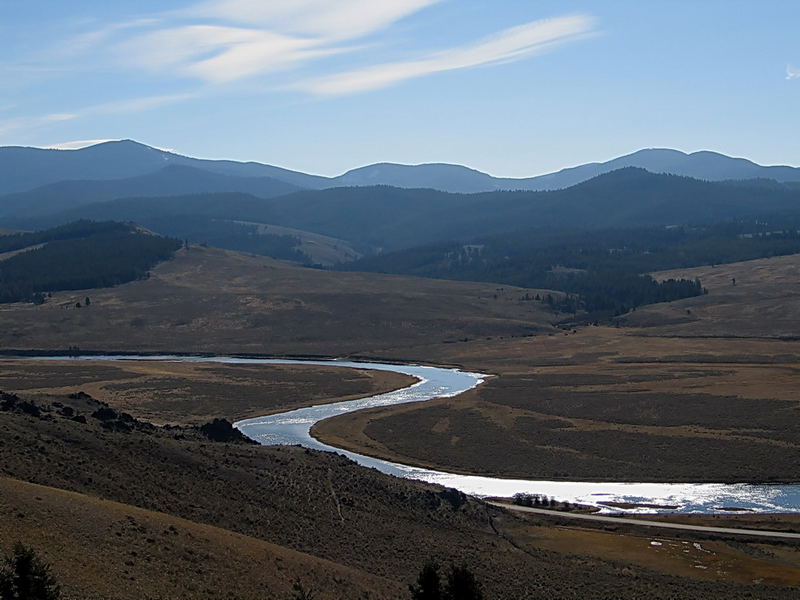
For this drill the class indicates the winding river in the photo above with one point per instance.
(293, 428)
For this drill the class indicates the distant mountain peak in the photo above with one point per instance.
(23, 169)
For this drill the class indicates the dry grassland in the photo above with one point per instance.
(687, 556)
(666, 401)
(194, 393)
(100, 549)
(211, 300)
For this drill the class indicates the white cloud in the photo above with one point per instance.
(77, 144)
(259, 36)
(326, 19)
(222, 41)
(219, 54)
(792, 72)
(506, 46)
(18, 123)
(88, 41)
(123, 106)
(132, 105)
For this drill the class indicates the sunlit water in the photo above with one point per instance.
(293, 427)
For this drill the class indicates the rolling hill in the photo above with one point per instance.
(229, 302)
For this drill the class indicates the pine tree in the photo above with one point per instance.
(24, 576)
(462, 585)
(429, 586)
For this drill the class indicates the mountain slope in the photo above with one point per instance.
(172, 180)
(445, 177)
(28, 168)
(710, 166)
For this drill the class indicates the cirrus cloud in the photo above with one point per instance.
(277, 45)
(508, 45)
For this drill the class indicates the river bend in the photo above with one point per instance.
(293, 427)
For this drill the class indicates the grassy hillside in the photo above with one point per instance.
(216, 301)
(182, 393)
(99, 549)
(751, 299)
(700, 389)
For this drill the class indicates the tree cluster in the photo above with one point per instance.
(106, 254)
(602, 269)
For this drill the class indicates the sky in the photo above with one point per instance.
(510, 87)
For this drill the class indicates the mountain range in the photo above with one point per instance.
(377, 209)
(24, 169)
(382, 218)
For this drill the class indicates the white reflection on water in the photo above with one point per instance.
(293, 428)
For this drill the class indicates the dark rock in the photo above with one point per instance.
(105, 414)
(221, 430)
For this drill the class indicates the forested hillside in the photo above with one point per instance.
(82, 255)
(386, 218)
(170, 181)
(605, 269)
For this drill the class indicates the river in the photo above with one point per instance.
(293, 428)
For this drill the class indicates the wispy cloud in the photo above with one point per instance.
(86, 42)
(76, 144)
(508, 45)
(792, 72)
(219, 54)
(205, 48)
(245, 38)
(131, 105)
(222, 41)
(325, 19)
(15, 124)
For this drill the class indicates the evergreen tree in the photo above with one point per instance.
(461, 585)
(429, 585)
(24, 576)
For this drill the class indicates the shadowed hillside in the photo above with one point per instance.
(245, 500)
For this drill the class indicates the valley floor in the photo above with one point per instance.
(685, 391)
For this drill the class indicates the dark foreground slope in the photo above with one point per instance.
(99, 550)
(322, 505)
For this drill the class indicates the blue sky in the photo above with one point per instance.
(513, 88)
